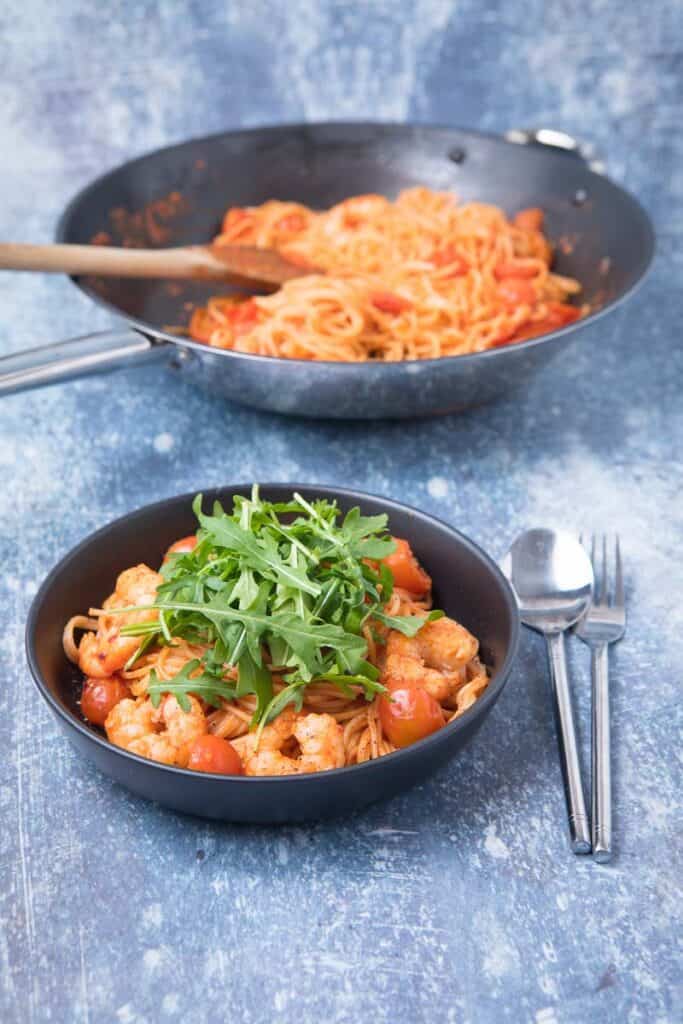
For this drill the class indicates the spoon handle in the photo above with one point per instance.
(579, 826)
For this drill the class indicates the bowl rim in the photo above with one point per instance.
(435, 739)
(368, 367)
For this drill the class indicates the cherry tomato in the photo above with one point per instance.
(529, 220)
(406, 570)
(515, 268)
(514, 291)
(448, 257)
(387, 302)
(182, 546)
(409, 714)
(99, 696)
(559, 315)
(210, 753)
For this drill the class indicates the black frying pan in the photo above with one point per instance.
(178, 196)
(467, 585)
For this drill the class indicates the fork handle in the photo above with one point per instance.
(579, 829)
(601, 794)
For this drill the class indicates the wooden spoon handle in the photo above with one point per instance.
(237, 263)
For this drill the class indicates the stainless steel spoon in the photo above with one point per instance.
(552, 577)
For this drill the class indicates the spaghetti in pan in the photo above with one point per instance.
(279, 639)
(417, 278)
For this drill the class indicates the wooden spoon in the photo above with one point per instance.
(244, 265)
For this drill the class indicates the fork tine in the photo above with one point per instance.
(618, 577)
(600, 574)
(595, 569)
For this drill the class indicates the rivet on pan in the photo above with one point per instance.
(180, 357)
(579, 197)
(457, 155)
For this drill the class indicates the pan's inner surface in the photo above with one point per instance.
(177, 196)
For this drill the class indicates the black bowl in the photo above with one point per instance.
(467, 585)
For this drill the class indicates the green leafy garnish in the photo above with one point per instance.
(210, 689)
(287, 586)
(409, 625)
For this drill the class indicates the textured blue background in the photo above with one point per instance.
(460, 901)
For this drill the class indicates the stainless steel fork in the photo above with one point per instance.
(603, 624)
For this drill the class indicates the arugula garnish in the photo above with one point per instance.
(283, 584)
(210, 689)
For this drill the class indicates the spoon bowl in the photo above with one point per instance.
(552, 577)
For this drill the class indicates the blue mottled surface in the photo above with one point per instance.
(459, 901)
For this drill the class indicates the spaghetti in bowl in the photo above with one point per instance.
(480, 598)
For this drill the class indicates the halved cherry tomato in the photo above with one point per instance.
(514, 291)
(388, 302)
(409, 714)
(210, 753)
(406, 570)
(449, 257)
(292, 222)
(529, 220)
(515, 268)
(559, 315)
(182, 546)
(99, 696)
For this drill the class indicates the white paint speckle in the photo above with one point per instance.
(659, 812)
(437, 487)
(152, 958)
(498, 960)
(170, 1002)
(494, 845)
(163, 443)
(152, 916)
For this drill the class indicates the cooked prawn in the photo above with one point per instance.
(163, 734)
(435, 658)
(294, 744)
(106, 651)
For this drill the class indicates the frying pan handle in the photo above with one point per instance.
(78, 357)
(559, 140)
